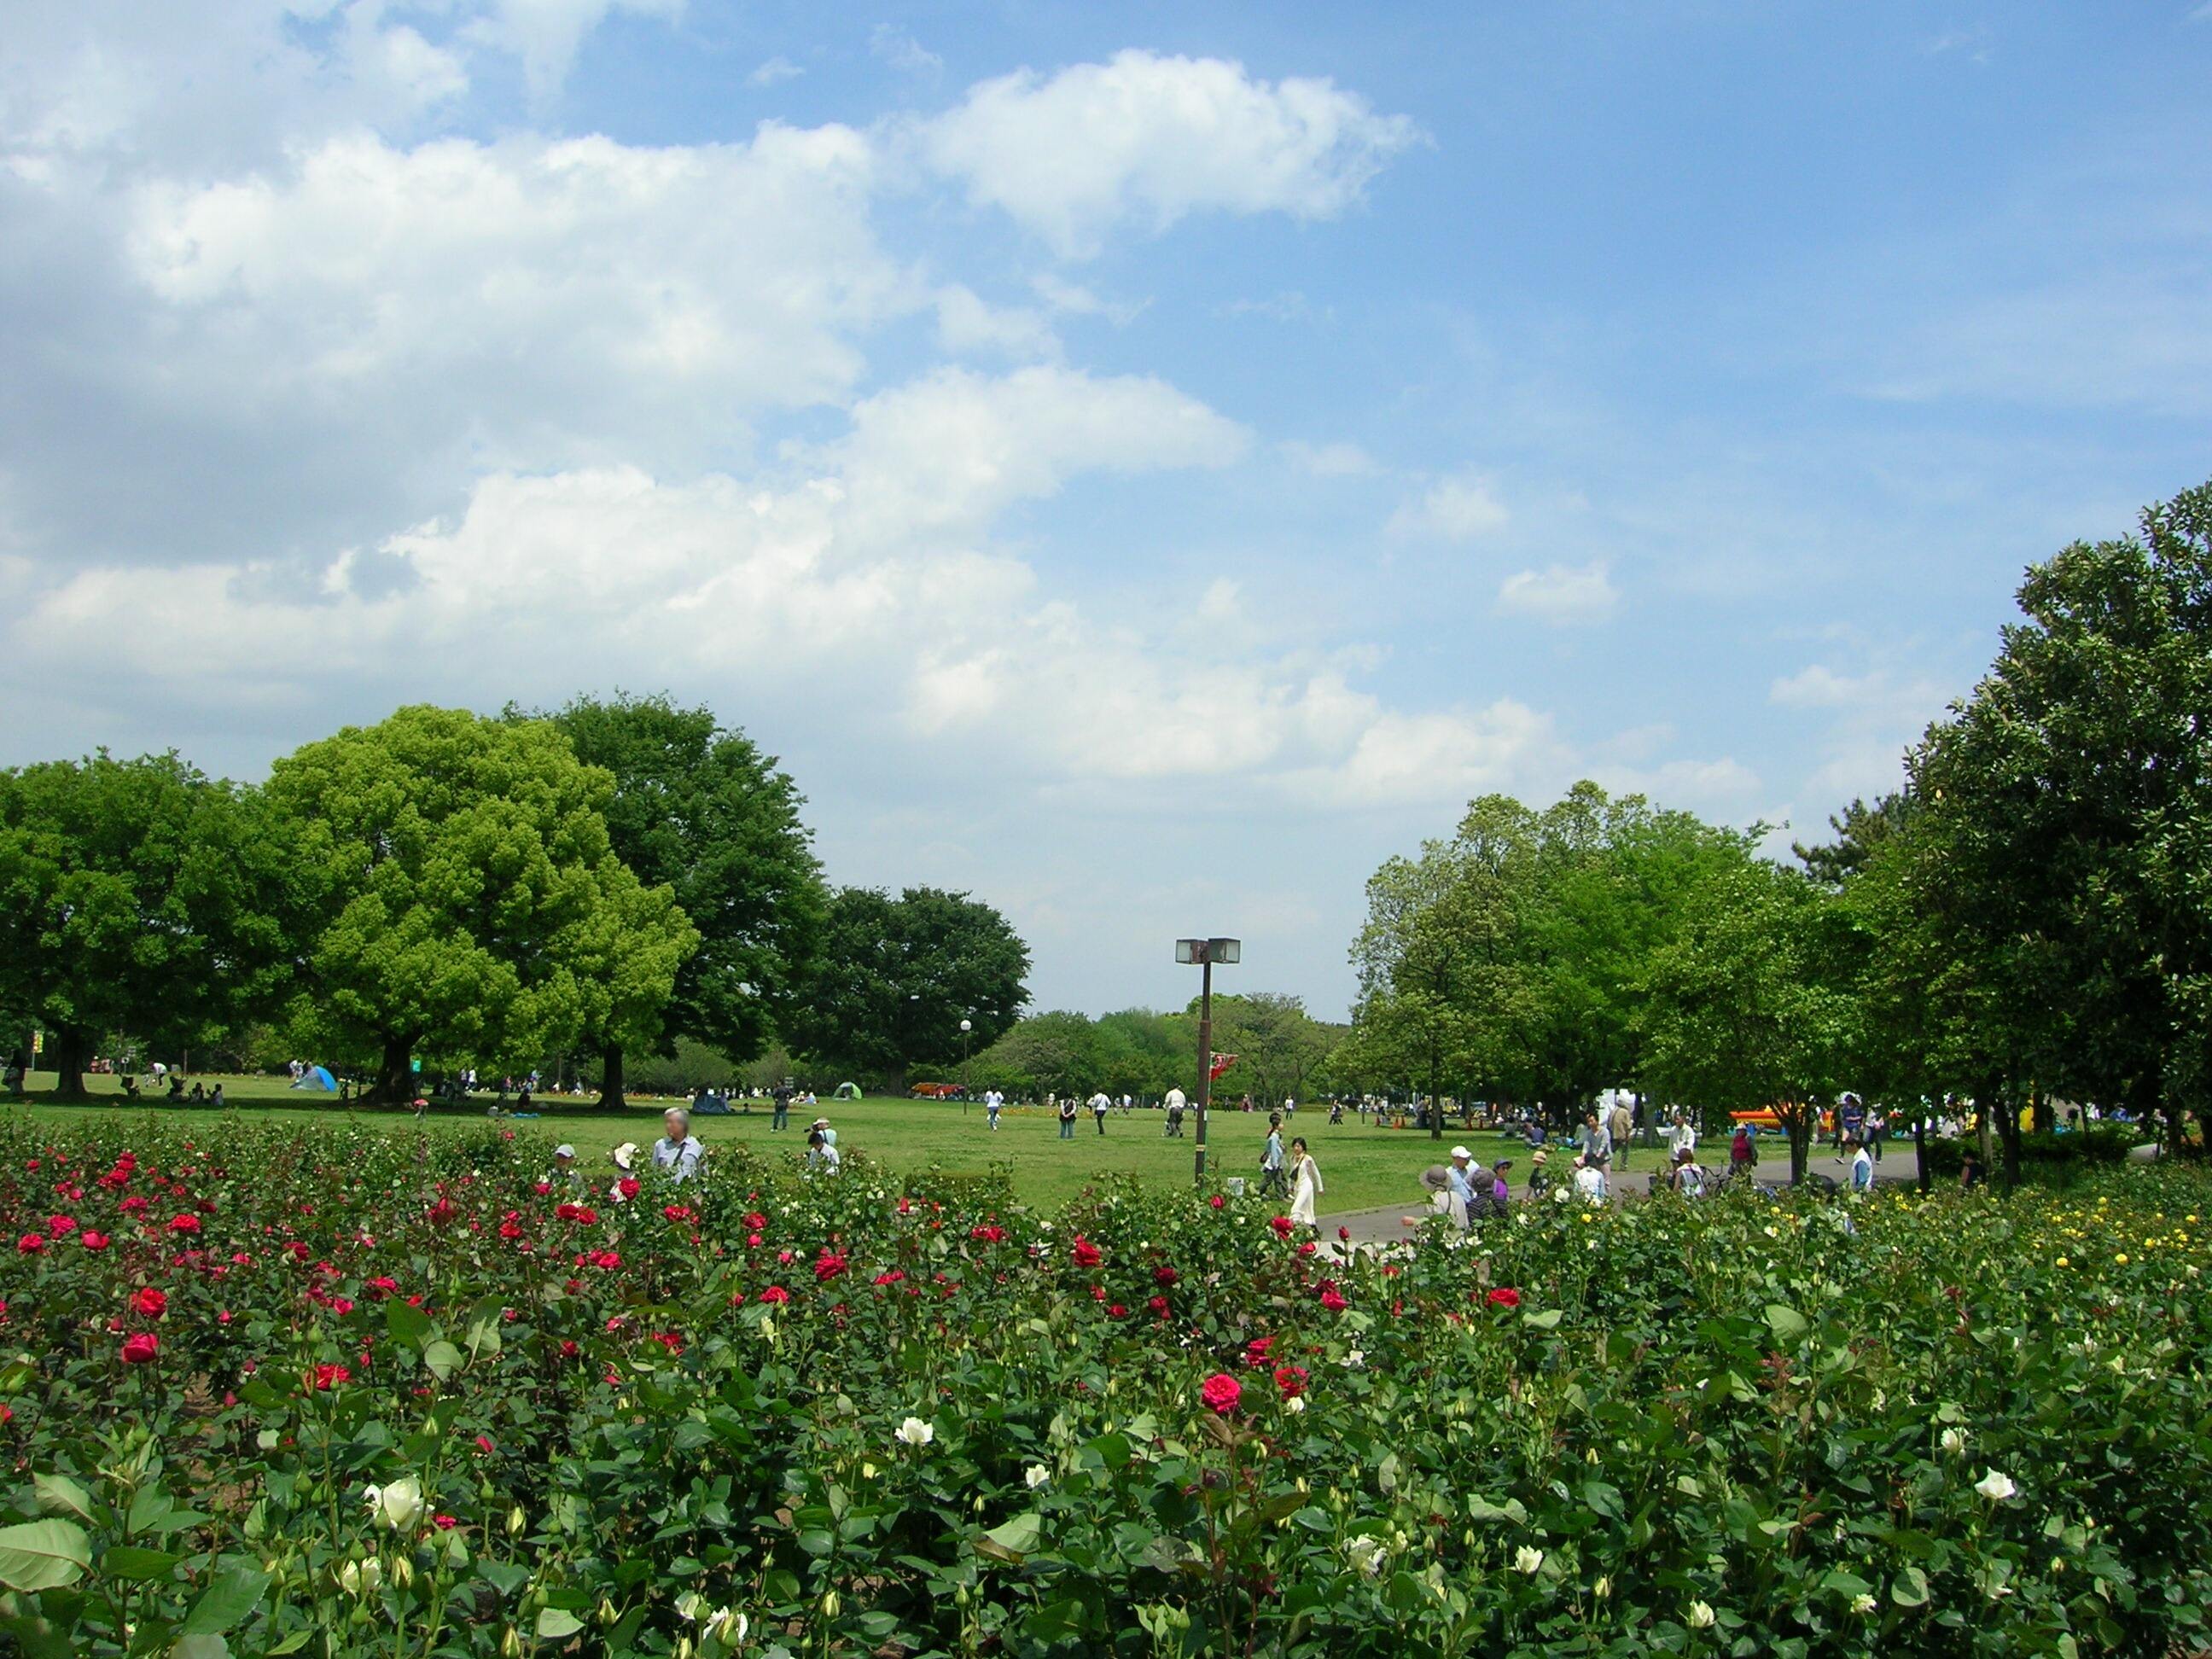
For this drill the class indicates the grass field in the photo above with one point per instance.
(1361, 1167)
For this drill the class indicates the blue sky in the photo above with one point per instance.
(1142, 465)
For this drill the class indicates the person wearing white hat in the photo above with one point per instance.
(1459, 1181)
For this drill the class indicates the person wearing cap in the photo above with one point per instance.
(564, 1172)
(1459, 1181)
(678, 1150)
(1501, 1194)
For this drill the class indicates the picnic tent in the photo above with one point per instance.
(317, 1077)
(846, 1091)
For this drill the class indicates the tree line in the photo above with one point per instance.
(2027, 921)
(1281, 1051)
(604, 880)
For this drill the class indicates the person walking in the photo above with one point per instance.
(1596, 1138)
(1743, 1155)
(1271, 1180)
(1175, 1104)
(1067, 1118)
(1305, 1184)
(1101, 1104)
(1877, 1130)
(1620, 1124)
(993, 1100)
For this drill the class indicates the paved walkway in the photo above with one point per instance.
(1386, 1223)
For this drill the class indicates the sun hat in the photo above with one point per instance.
(1433, 1177)
(1503, 1163)
(564, 1150)
(625, 1154)
(1539, 1157)
(1461, 1152)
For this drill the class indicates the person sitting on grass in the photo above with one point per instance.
(214, 1097)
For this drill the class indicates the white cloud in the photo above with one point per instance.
(774, 72)
(945, 454)
(1077, 301)
(1560, 594)
(903, 52)
(1329, 460)
(1149, 139)
(1454, 509)
(545, 34)
(966, 323)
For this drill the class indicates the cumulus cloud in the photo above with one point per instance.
(1560, 594)
(1453, 509)
(1147, 139)
(774, 73)
(546, 34)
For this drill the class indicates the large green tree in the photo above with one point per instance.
(1747, 1007)
(457, 895)
(2070, 796)
(896, 975)
(135, 896)
(700, 809)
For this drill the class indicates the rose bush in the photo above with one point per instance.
(349, 1393)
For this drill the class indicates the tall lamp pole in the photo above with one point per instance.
(967, 1043)
(1205, 952)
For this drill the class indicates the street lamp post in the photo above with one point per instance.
(966, 1054)
(1205, 952)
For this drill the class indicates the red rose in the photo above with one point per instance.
(829, 1265)
(1281, 1223)
(1159, 1305)
(1221, 1391)
(92, 1241)
(484, 1444)
(1117, 1312)
(627, 1186)
(1217, 1200)
(329, 1377)
(1291, 1379)
(754, 1220)
(150, 1302)
(444, 1522)
(60, 1226)
(140, 1347)
(1333, 1301)
(1504, 1296)
(31, 1243)
(1345, 1233)
(1086, 1254)
(1165, 1275)
(776, 1293)
(184, 1224)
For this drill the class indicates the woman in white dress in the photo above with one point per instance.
(1305, 1183)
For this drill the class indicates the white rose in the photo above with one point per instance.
(1996, 1487)
(1528, 1559)
(916, 1432)
(1365, 1552)
(1954, 1441)
(1296, 1403)
(1699, 1616)
(729, 1627)
(1036, 1474)
(1862, 1604)
(399, 1506)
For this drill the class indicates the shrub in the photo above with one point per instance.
(403, 1394)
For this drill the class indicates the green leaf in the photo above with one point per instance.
(59, 1495)
(554, 1623)
(409, 1325)
(230, 1595)
(1013, 1540)
(43, 1555)
(137, 1565)
(442, 1357)
(1540, 1322)
(200, 1644)
(1787, 1323)
(1910, 1589)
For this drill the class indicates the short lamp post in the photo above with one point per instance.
(1205, 952)
(967, 1026)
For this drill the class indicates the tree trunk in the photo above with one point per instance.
(611, 1076)
(1800, 1125)
(2008, 1116)
(1920, 1144)
(72, 1052)
(395, 1078)
(2040, 1103)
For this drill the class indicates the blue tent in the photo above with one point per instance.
(317, 1077)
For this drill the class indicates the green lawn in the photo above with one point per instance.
(1361, 1167)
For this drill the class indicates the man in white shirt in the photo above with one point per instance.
(1100, 1104)
(993, 1100)
(1175, 1103)
(1589, 1181)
